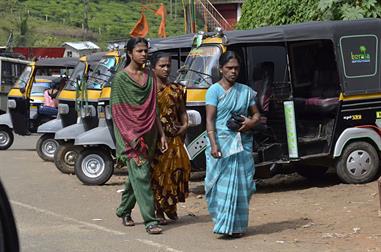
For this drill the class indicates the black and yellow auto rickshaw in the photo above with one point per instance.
(96, 162)
(26, 96)
(67, 111)
(88, 116)
(318, 90)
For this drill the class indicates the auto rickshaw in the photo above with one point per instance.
(66, 153)
(67, 113)
(95, 163)
(26, 96)
(318, 90)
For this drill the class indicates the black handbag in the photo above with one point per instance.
(235, 122)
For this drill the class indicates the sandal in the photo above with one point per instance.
(236, 235)
(153, 229)
(128, 221)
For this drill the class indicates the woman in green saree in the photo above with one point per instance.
(136, 124)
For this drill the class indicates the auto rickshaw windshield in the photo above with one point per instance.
(198, 69)
(24, 77)
(101, 74)
(77, 74)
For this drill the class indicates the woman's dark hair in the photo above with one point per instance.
(158, 55)
(226, 56)
(132, 42)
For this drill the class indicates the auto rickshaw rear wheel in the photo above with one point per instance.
(46, 147)
(65, 157)
(359, 163)
(6, 137)
(94, 166)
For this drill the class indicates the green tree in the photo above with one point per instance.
(258, 13)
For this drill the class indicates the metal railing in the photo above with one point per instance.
(212, 17)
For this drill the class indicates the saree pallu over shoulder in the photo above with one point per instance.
(134, 114)
(229, 180)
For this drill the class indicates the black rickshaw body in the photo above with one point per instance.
(318, 90)
(21, 98)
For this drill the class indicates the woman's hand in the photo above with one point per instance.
(248, 123)
(163, 144)
(215, 152)
(181, 129)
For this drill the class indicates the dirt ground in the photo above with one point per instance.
(290, 213)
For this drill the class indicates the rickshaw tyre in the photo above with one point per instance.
(342, 170)
(9, 132)
(39, 145)
(59, 156)
(104, 176)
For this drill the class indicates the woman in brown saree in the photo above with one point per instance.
(171, 170)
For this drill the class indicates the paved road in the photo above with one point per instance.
(55, 212)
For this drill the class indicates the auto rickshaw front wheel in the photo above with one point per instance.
(65, 157)
(6, 137)
(94, 166)
(359, 163)
(46, 147)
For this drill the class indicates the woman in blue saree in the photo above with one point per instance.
(229, 162)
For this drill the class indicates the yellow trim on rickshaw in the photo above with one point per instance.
(15, 92)
(215, 40)
(67, 95)
(359, 97)
(196, 95)
(106, 93)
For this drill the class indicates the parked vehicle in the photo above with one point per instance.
(96, 162)
(88, 118)
(318, 90)
(10, 70)
(25, 98)
(67, 107)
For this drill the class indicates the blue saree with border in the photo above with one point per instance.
(229, 180)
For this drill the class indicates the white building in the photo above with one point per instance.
(78, 49)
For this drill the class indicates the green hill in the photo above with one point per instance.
(51, 22)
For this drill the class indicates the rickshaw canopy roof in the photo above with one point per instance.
(329, 30)
(66, 62)
(170, 43)
(94, 58)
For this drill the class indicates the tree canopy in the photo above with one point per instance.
(257, 13)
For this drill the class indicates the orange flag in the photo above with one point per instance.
(141, 27)
(163, 13)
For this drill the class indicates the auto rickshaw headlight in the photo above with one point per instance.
(194, 118)
(63, 109)
(108, 113)
(11, 104)
(88, 111)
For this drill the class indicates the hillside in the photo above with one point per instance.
(51, 22)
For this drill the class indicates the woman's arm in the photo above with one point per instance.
(163, 139)
(183, 119)
(250, 122)
(211, 130)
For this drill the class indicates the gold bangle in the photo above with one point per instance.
(210, 131)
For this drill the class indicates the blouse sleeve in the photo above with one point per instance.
(211, 97)
(253, 94)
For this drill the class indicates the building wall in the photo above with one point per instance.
(229, 11)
